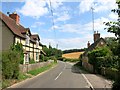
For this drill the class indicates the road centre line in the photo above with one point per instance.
(60, 72)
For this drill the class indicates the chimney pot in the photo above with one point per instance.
(15, 17)
(96, 36)
(88, 44)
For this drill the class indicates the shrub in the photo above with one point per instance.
(32, 61)
(70, 60)
(10, 64)
(53, 58)
(46, 58)
(61, 58)
(42, 57)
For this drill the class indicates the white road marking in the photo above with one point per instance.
(60, 72)
(87, 81)
(58, 76)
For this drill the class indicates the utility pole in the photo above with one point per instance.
(93, 17)
(56, 46)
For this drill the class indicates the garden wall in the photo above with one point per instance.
(88, 66)
(109, 73)
(29, 67)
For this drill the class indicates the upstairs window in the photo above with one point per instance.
(27, 40)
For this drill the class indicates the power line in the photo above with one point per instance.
(53, 23)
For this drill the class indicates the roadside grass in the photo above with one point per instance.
(8, 82)
(22, 76)
(42, 69)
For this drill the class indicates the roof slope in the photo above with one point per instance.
(94, 45)
(17, 29)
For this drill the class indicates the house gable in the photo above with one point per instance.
(7, 37)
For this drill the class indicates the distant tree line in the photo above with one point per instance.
(51, 53)
(73, 50)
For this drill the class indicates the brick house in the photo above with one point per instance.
(98, 42)
(13, 32)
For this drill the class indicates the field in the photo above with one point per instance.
(74, 55)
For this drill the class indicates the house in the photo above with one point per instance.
(13, 32)
(98, 42)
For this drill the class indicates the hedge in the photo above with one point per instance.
(10, 64)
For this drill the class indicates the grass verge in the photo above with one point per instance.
(22, 76)
(42, 69)
(8, 82)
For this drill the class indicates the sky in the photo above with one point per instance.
(73, 26)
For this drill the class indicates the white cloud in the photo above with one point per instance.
(113, 16)
(54, 3)
(63, 17)
(85, 32)
(37, 24)
(99, 5)
(85, 5)
(67, 43)
(34, 8)
(83, 29)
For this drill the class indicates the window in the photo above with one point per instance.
(26, 58)
(37, 56)
(27, 40)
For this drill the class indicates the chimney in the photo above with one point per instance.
(88, 44)
(15, 17)
(96, 36)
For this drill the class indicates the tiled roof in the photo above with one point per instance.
(93, 46)
(17, 29)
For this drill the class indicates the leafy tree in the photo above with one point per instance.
(114, 27)
(52, 52)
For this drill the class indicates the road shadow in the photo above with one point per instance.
(76, 68)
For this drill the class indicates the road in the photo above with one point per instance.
(64, 75)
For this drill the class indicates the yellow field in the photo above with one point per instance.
(74, 55)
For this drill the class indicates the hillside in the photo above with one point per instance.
(74, 55)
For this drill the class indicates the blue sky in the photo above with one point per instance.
(72, 18)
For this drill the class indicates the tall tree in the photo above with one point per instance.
(114, 27)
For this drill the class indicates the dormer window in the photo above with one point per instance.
(27, 39)
(37, 43)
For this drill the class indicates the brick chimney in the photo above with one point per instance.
(15, 16)
(88, 44)
(96, 36)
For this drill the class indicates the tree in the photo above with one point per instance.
(114, 27)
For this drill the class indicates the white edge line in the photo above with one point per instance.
(87, 81)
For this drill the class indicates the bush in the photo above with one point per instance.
(61, 58)
(10, 64)
(46, 58)
(32, 61)
(18, 48)
(42, 57)
(53, 58)
(70, 60)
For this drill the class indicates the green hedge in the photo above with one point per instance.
(10, 64)
(70, 60)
